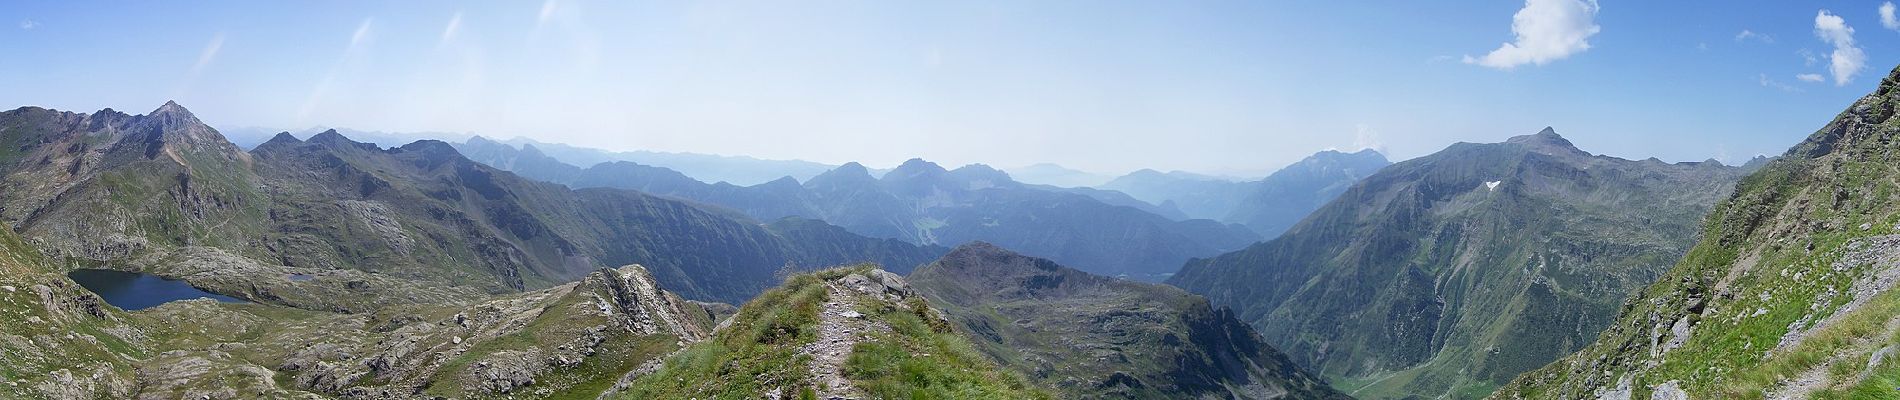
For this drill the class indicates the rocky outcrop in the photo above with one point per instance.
(531, 344)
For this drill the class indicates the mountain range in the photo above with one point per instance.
(118, 190)
(1449, 274)
(1525, 269)
(1057, 175)
(1103, 232)
(1269, 205)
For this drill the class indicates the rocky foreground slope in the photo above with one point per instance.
(59, 341)
(1790, 293)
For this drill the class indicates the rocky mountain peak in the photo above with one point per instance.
(853, 168)
(851, 172)
(174, 117)
(979, 175)
(914, 168)
(171, 108)
(329, 135)
(432, 147)
(332, 139)
(531, 151)
(1546, 141)
(283, 138)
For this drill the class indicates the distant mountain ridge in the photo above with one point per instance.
(737, 170)
(1269, 205)
(923, 203)
(1057, 175)
(1448, 274)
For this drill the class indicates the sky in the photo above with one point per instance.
(1224, 87)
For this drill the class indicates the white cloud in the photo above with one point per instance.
(1807, 57)
(1810, 77)
(355, 58)
(1366, 138)
(1770, 83)
(455, 25)
(1746, 35)
(209, 53)
(547, 11)
(29, 24)
(362, 33)
(1546, 30)
(1886, 16)
(1847, 59)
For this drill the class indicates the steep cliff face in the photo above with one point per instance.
(1789, 294)
(1097, 337)
(1449, 274)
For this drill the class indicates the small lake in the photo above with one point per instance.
(132, 291)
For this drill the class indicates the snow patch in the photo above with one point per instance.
(1492, 185)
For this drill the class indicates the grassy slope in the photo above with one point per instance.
(1771, 260)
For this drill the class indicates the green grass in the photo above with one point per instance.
(756, 354)
(922, 359)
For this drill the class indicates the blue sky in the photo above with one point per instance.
(1219, 87)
